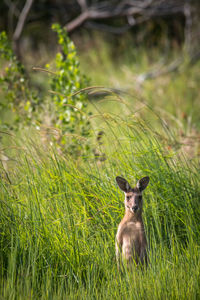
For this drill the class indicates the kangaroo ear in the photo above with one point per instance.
(142, 183)
(123, 184)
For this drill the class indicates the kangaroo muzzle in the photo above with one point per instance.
(135, 208)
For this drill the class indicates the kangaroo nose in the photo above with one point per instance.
(135, 208)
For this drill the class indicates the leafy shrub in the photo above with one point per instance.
(21, 106)
(18, 102)
(71, 115)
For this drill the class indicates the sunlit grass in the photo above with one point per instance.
(59, 216)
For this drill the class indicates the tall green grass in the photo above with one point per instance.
(59, 217)
(176, 93)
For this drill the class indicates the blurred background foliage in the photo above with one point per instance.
(148, 22)
(146, 48)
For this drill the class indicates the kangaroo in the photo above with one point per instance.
(131, 241)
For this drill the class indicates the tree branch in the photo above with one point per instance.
(22, 18)
(172, 67)
(129, 9)
(20, 25)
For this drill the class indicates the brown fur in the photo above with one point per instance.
(131, 241)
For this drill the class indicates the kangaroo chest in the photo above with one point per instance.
(131, 239)
(132, 231)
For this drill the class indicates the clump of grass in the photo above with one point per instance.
(59, 218)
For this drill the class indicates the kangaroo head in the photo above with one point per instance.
(133, 196)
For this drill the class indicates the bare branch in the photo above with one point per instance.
(22, 18)
(83, 4)
(132, 10)
(12, 6)
(20, 25)
(77, 21)
(172, 67)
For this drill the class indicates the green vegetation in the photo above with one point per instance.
(18, 103)
(21, 106)
(70, 113)
(59, 212)
(59, 219)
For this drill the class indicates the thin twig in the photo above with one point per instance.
(43, 70)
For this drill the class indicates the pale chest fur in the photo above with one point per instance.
(131, 238)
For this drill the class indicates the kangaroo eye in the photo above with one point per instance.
(128, 198)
